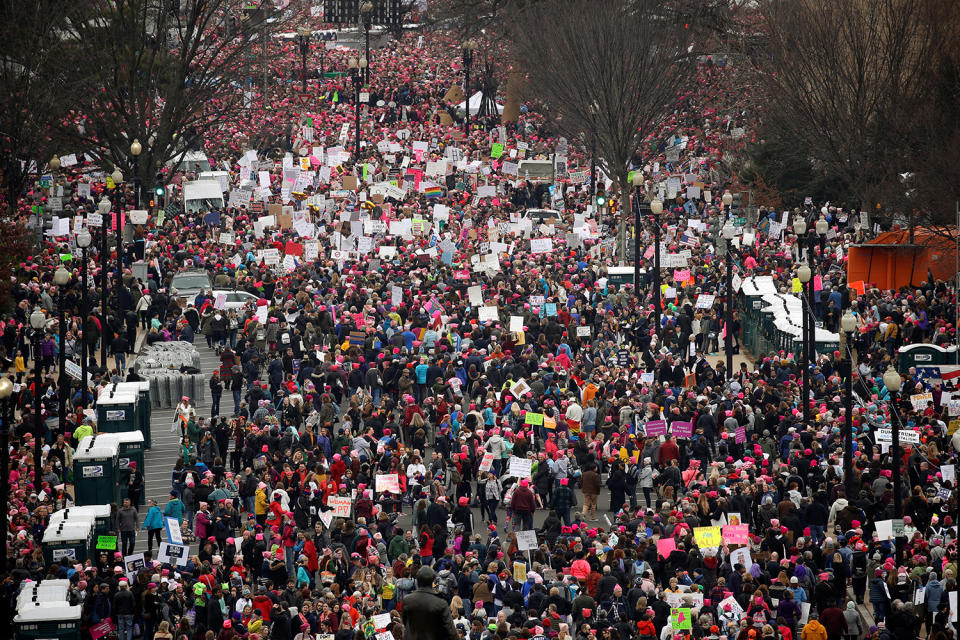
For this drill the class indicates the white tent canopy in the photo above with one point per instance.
(475, 101)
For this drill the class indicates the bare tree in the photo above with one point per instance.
(611, 70)
(164, 72)
(845, 80)
(31, 80)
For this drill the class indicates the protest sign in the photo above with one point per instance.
(526, 540)
(341, 506)
(520, 388)
(681, 429)
(520, 467)
(741, 555)
(708, 536)
(106, 543)
(666, 546)
(486, 463)
(655, 428)
(680, 619)
(132, 565)
(736, 533)
(533, 418)
(519, 572)
(705, 301)
(173, 530)
(173, 554)
(388, 482)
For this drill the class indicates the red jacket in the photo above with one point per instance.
(668, 451)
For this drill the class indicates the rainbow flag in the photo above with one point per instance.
(433, 192)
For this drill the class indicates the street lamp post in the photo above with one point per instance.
(104, 208)
(303, 34)
(118, 180)
(637, 183)
(803, 274)
(891, 380)
(728, 232)
(37, 322)
(469, 46)
(83, 241)
(6, 422)
(848, 323)
(135, 149)
(6, 419)
(818, 235)
(366, 13)
(356, 74)
(61, 277)
(656, 208)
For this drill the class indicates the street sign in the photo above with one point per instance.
(304, 98)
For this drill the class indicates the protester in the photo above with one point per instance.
(414, 348)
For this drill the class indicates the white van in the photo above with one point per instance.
(222, 177)
(541, 216)
(194, 161)
(536, 170)
(202, 195)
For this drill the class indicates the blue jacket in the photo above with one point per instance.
(174, 509)
(877, 591)
(154, 519)
(933, 594)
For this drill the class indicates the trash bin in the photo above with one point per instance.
(68, 543)
(131, 450)
(96, 473)
(48, 621)
(117, 412)
(100, 513)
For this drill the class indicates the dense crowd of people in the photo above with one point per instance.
(420, 351)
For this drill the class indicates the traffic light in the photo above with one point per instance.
(737, 205)
(158, 196)
(601, 199)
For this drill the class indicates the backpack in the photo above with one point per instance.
(446, 583)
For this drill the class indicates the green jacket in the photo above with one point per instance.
(193, 432)
(398, 546)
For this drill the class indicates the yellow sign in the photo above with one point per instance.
(708, 536)
(797, 285)
(519, 572)
(110, 183)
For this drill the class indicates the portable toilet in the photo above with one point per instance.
(100, 513)
(96, 472)
(144, 407)
(116, 412)
(47, 591)
(131, 450)
(68, 543)
(47, 621)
